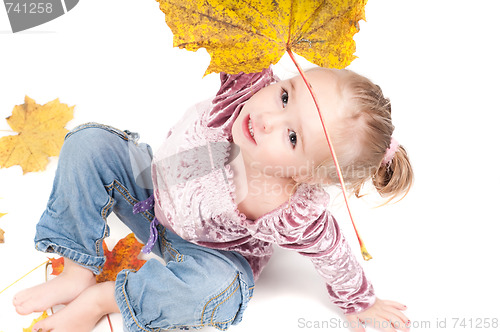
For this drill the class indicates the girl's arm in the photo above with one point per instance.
(306, 226)
(234, 91)
(309, 228)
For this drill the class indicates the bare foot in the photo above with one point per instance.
(61, 290)
(83, 313)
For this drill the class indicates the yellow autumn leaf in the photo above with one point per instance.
(250, 35)
(42, 317)
(40, 134)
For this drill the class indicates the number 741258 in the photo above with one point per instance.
(29, 8)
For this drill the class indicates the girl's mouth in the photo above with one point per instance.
(248, 129)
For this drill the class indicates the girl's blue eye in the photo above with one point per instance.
(292, 136)
(284, 97)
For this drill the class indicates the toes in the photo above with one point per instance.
(21, 302)
(38, 327)
(19, 305)
(22, 310)
(42, 326)
(19, 298)
(27, 306)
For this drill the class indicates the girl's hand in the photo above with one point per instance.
(383, 316)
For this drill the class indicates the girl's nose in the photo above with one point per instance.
(265, 122)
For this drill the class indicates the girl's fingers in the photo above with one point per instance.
(401, 319)
(405, 322)
(385, 316)
(398, 320)
(395, 304)
(393, 314)
(355, 324)
(382, 324)
(388, 329)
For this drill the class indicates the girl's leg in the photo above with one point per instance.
(198, 287)
(94, 177)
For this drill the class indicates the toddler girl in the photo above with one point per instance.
(236, 175)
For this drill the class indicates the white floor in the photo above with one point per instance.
(436, 251)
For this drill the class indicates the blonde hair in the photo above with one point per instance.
(361, 141)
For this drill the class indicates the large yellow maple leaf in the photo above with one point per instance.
(40, 134)
(250, 35)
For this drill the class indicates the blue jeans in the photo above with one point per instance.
(197, 287)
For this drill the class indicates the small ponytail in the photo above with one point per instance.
(364, 142)
(394, 177)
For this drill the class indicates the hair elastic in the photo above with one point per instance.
(390, 152)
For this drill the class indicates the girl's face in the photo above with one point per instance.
(279, 131)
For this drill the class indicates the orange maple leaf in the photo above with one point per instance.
(57, 265)
(123, 256)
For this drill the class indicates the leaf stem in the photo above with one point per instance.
(3, 290)
(109, 321)
(364, 252)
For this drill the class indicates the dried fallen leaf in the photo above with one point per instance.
(57, 265)
(250, 35)
(41, 134)
(123, 256)
(2, 239)
(42, 317)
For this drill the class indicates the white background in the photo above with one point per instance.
(435, 251)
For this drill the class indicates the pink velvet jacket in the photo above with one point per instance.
(195, 197)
